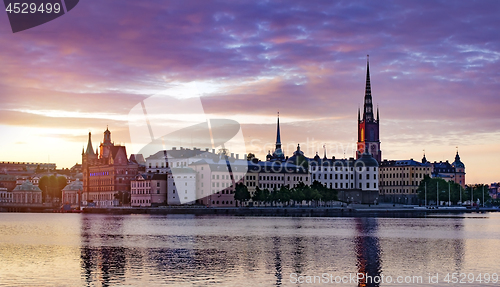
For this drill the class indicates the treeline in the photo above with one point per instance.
(287, 196)
(451, 190)
(52, 186)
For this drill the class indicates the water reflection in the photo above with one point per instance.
(228, 251)
(99, 260)
(367, 251)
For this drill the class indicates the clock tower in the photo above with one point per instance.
(368, 126)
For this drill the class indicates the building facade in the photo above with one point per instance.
(107, 173)
(27, 193)
(5, 196)
(400, 179)
(72, 193)
(450, 172)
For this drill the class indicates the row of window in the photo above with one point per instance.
(315, 176)
(318, 168)
(236, 177)
(405, 168)
(140, 201)
(222, 202)
(396, 183)
(401, 175)
(401, 191)
(281, 178)
(144, 191)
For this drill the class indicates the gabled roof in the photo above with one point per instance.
(27, 186)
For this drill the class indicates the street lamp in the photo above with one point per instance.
(425, 184)
(437, 194)
(449, 194)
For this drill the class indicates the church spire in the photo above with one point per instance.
(278, 136)
(368, 107)
(90, 151)
(378, 119)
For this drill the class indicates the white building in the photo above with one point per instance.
(72, 193)
(181, 186)
(216, 180)
(5, 196)
(27, 193)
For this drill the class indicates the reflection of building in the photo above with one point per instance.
(106, 173)
(368, 252)
(71, 193)
(27, 193)
(368, 126)
(399, 179)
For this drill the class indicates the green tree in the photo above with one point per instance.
(61, 184)
(241, 193)
(446, 190)
(284, 195)
(43, 184)
(477, 190)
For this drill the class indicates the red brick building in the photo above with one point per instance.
(107, 173)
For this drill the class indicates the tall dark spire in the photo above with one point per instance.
(378, 119)
(278, 136)
(368, 108)
(90, 151)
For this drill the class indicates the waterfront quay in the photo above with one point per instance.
(349, 210)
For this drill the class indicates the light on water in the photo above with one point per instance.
(144, 250)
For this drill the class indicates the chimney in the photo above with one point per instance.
(237, 156)
(213, 150)
(174, 148)
(232, 154)
(206, 149)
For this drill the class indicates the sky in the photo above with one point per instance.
(434, 66)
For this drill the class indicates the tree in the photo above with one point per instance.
(250, 156)
(61, 184)
(241, 193)
(478, 193)
(446, 190)
(43, 184)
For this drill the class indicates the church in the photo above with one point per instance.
(368, 126)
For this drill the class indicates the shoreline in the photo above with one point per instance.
(352, 210)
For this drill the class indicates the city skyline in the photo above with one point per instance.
(434, 75)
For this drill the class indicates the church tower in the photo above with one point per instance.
(278, 152)
(368, 126)
(89, 158)
(105, 146)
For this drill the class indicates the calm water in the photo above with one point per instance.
(142, 250)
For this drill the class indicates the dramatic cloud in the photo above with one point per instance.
(434, 70)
